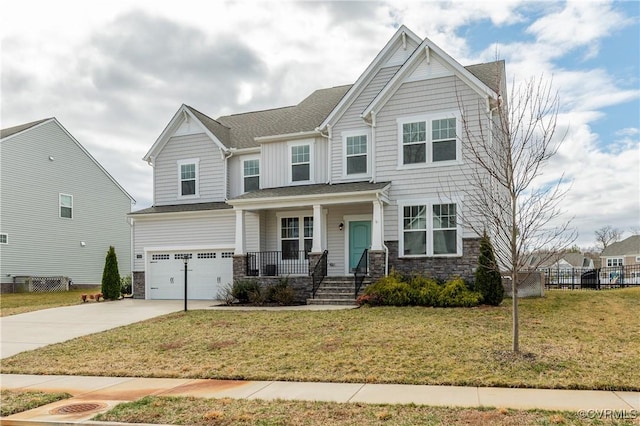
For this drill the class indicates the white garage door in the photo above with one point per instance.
(208, 272)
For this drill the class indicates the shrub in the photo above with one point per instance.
(455, 294)
(488, 279)
(226, 294)
(111, 276)
(258, 295)
(391, 290)
(425, 291)
(125, 285)
(369, 300)
(242, 288)
(282, 293)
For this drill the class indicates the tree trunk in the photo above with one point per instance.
(514, 292)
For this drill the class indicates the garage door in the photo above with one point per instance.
(208, 272)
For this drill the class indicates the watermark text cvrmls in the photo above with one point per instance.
(609, 414)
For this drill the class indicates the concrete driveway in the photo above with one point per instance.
(34, 330)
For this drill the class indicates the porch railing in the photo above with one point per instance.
(277, 263)
(361, 271)
(319, 273)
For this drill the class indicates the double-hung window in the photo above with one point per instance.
(188, 178)
(356, 154)
(615, 261)
(300, 163)
(66, 206)
(251, 175)
(429, 139)
(4, 238)
(293, 237)
(429, 229)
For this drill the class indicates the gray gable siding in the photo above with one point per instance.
(413, 98)
(210, 170)
(42, 243)
(275, 160)
(351, 119)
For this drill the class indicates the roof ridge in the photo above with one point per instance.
(202, 113)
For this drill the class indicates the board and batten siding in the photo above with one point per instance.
(351, 119)
(414, 98)
(41, 243)
(275, 162)
(210, 178)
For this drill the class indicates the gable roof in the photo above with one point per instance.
(11, 132)
(626, 247)
(425, 48)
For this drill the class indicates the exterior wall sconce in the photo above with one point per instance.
(341, 226)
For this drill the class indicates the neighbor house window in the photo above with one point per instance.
(356, 154)
(428, 139)
(4, 238)
(616, 261)
(300, 163)
(188, 175)
(429, 229)
(66, 206)
(251, 175)
(293, 237)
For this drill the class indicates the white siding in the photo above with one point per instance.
(351, 119)
(420, 97)
(215, 229)
(42, 243)
(210, 170)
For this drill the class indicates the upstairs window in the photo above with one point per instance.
(251, 175)
(66, 206)
(188, 178)
(616, 261)
(356, 154)
(429, 139)
(4, 238)
(300, 163)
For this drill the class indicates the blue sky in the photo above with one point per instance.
(114, 73)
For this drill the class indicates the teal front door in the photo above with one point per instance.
(359, 241)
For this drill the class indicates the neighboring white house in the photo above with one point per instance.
(60, 210)
(368, 166)
(621, 262)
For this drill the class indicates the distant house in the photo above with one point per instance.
(60, 209)
(349, 181)
(621, 262)
(561, 261)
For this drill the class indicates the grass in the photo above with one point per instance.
(18, 401)
(226, 411)
(569, 340)
(19, 303)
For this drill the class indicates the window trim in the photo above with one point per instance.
(180, 163)
(301, 216)
(428, 119)
(243, 176)
(60, 195)
(351, 133)
(611, 259)
(429, 203)
(290, 146)
(4, 236)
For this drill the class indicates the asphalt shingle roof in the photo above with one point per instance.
(629, 246)
(4, 133)
(489, 73)
(178, 208)
(315, 189)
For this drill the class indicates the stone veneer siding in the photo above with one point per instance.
(438, 267)
(138, 285)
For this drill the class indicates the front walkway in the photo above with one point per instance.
(106, 392)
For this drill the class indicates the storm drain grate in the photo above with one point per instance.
(78, 408)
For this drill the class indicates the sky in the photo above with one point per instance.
(114, 73)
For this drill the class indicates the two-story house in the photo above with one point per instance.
(60, 209)
(356, 177)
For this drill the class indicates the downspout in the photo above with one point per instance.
(373, 147)
(132, 229)
(386, 249)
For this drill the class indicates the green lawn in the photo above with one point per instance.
(573, 340)
(19, 303)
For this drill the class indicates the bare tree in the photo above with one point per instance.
(507, 145)
(607, 235)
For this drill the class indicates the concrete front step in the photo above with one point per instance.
(317, 301)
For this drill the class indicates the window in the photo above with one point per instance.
(188, 177)
(66, 206)
(300, 163)
(4, 238)
(428, 139)
(251, 173)
(356, 154)
(429, 230)
(614, 261)
(292, 239)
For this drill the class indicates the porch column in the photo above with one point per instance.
(377, 226)
(239, 232)
(317, 229)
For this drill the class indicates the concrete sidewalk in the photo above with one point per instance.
(99, 394)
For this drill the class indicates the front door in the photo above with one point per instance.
(359, 241)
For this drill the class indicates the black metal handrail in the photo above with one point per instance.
(277, 263)
(361, 271)
(319, 273)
